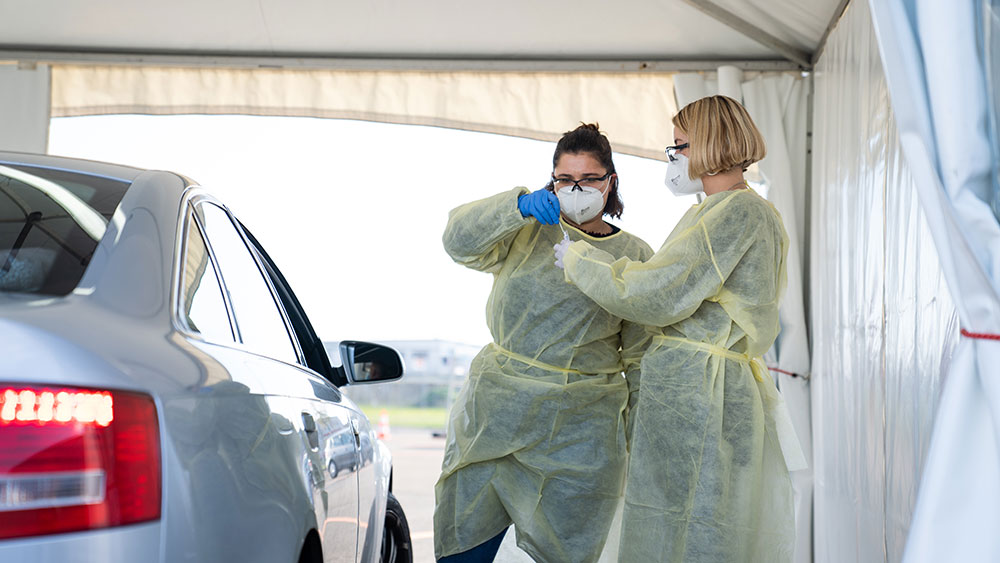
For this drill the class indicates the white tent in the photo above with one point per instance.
(390, 60)
(869, 337)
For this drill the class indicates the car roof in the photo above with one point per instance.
(117, 171)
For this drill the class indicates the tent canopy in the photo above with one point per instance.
(514, 35)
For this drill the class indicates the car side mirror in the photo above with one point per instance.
(366, 362)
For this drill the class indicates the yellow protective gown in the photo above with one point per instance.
(708, 479)
(536, 436)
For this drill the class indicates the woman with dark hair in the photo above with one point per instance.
(537, 435)
(713, 446)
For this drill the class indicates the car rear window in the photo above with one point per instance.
(50, 223)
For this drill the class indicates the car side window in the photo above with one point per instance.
(259, 323)
(203, 309)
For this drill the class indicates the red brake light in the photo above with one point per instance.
(76, 459)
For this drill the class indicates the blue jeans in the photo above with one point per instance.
(482, 553)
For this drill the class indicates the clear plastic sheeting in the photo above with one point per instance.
(884, 325)
(920, 330)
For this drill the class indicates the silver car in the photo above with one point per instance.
(163, 396)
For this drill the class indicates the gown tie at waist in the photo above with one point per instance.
(791, 449)
(756, 364)
(500, 350)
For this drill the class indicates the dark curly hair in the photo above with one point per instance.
(588, 139)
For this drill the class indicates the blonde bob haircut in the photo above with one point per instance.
(721, 135)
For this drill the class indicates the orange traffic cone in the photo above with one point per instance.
(383, 425)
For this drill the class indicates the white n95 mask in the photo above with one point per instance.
(580, 204)
(677, 178)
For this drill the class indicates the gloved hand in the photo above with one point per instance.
(561, 247)
(542, 204)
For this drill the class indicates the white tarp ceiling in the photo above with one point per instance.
(526, 30)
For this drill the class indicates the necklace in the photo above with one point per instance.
(593, 234)
(740, 183)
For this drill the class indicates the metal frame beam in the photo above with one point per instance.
(801, 58)
(834, 20)
(23, 55)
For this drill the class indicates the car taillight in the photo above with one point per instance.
(76, 459)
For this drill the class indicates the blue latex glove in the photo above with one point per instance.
(541, 204)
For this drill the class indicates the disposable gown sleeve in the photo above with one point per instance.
(691, 267)
(635, 340)
(479, 234)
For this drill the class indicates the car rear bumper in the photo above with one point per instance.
(139, 542)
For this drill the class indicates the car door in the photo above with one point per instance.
(294, 390)
(350, 454)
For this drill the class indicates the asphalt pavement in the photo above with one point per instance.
(416, 464)
(416, 461)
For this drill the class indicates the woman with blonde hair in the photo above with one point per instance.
(712, 447)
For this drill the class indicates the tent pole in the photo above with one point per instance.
(807, 246)
(834, 20)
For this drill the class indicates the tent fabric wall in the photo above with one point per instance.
(935, 73)
(883, 323)
(24, 108)
(632, 108)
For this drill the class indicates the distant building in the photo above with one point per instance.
(438, 361)
(434, 371)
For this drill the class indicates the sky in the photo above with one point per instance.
(352, 212)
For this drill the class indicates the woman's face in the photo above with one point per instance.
(580, 166)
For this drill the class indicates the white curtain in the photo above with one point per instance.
(935, 76)
(24, 108)
(631, 108)
(883, 325)
(777, 104)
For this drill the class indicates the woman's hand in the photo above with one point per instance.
(542, 204)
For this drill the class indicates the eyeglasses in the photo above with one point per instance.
(561, 183)
(674, 149)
